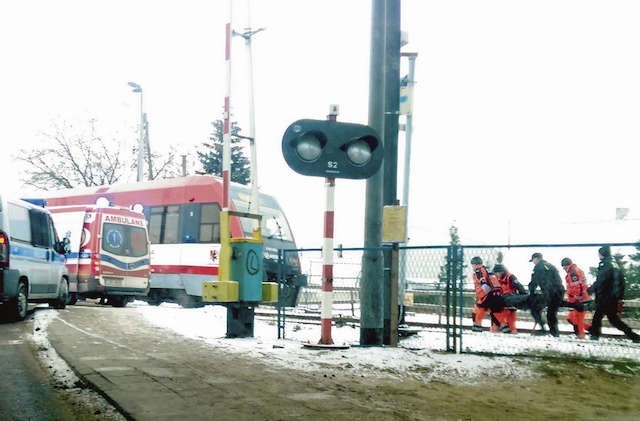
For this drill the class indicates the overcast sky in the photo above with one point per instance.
(526, 117)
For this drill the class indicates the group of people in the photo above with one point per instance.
(500, 294)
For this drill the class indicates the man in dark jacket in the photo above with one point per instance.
(607, 297)
(546, 277)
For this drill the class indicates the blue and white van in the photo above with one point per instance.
(32, 261)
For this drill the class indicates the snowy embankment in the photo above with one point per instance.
(417, 356)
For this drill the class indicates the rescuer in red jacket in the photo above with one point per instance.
(576, 294)
(509, 284)
(488, 297)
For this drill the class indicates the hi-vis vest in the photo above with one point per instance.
(576, 284)
(484, 283)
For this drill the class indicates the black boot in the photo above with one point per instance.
(540, 332)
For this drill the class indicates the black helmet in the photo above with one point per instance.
(499, 268)
(565, 262)
(476, 261)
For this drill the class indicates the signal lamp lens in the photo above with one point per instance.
(359, 152)
(309, 147)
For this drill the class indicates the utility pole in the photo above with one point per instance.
(408, 131)
(138, 89)
(148, 147)
(384, 99)
(371, 298)
(391, 116)
(254, 206)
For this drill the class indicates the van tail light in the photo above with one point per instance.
(4, 250)
(95, 265)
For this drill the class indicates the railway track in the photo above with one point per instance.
(412, 326)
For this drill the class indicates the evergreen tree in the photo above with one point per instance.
(632, 275)
(443, 276)
(211, 159)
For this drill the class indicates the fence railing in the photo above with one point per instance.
(439, 279)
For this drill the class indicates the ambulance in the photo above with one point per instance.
(109, 252)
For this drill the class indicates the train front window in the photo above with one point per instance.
(209, 223)
(274, 225)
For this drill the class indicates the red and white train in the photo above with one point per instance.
(183, 217)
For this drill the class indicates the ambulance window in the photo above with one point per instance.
(138, 242)
(113, 239)
(164, 224)
(209, 223)
(124, 240)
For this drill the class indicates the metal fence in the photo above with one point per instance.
(437, 297)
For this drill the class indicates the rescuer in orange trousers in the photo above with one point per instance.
(509, 284)
(488, 297)
(576, 294)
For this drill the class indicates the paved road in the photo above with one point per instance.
(152, 374)
(26, 389)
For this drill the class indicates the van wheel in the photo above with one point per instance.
(63, 295)
(18, 306)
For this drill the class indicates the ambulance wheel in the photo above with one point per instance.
(63, 296)
(73, 298)
(154, 299)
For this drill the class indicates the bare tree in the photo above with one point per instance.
(72, 156)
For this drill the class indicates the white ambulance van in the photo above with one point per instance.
(32, 259)
(108, 251)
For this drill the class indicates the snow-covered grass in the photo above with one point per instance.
(417, 356)
(209, 324)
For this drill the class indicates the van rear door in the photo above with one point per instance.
(124, 253)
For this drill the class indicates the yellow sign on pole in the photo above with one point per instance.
(394, 224)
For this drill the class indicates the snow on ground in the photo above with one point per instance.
(417, 356)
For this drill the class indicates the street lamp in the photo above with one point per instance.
(138, 89)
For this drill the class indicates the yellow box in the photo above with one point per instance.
(408, 298)
(269, 292)
(220, 291)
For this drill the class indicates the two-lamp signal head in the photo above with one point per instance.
(326, 148)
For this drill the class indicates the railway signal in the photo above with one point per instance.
(326, 148)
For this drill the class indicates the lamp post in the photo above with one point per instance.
(138, 89)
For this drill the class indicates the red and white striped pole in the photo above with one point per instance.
(327, 255)
(225, 232)
(226, 136)
(327, 264)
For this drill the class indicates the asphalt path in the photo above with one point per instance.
(26, 389)
(31, 384)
